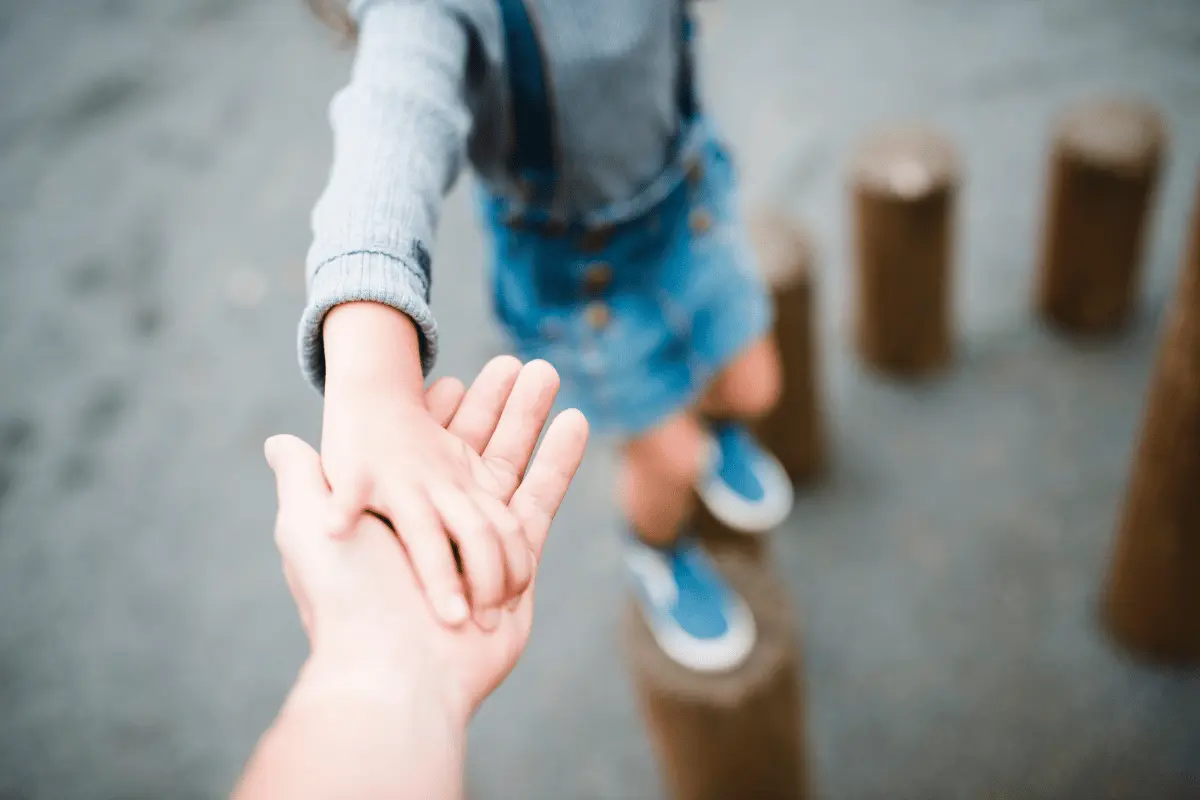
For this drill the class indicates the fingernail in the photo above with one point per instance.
(454, 609)
(489, 618)
(516, 601)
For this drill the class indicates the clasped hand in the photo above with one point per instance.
(359, 596)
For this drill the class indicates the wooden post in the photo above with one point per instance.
(1152, 603)
(794, 431)
(721, 540)
(904, 188)
(736, 734)
(1103, 174)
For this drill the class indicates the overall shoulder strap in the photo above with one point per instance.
(686, 81)
(532, 154)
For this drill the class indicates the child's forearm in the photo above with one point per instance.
(399, 134)
(373, 346)
(369, 736)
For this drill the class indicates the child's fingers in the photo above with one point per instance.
(478, 548)
(480, 410)
(537, 499)
(518, 561)
(516, 434)
(417, 526)
(443, 398)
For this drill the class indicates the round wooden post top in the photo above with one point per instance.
(906, 161)
(784, 247)
(1120, 132)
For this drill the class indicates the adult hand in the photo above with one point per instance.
(359, 600)
(381, 706)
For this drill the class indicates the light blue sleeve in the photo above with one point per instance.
(399, 136)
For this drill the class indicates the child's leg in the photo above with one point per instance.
(744, 486)
(749, 387)
(694, 615)
(656, 476)
(660, 469)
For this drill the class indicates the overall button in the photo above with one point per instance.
(552, 330)
(596, 239)
(694, 171)
(593, 362)
(700, 221)
(598, 315)
(524, 189)
(554, 228)
(597, 279)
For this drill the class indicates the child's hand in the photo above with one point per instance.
(357, 599)
(391, 456)
(384, 452)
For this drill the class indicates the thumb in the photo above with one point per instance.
(299, 480)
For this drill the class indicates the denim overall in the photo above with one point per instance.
(636, 314)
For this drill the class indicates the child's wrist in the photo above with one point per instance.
(374, 347)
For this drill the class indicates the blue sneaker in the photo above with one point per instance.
(744, 486)
(693, 614)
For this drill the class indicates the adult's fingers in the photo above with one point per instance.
(417, 525)
(484, 402)
(537, 499)
(303, 498)
(507, 454)
(303, 606)
(443, 397)
(300, 485)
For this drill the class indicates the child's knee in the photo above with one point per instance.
(765, 388)
(653, 467)
(668, 456)
(753, 387)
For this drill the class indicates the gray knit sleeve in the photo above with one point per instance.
(399, 134)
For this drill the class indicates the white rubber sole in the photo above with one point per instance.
(743, 516)
(709, 656)
(698, 655)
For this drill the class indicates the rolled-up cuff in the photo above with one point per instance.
(375, 276)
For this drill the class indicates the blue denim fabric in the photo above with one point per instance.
(639, 322)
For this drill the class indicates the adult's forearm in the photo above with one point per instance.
(362, 736)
